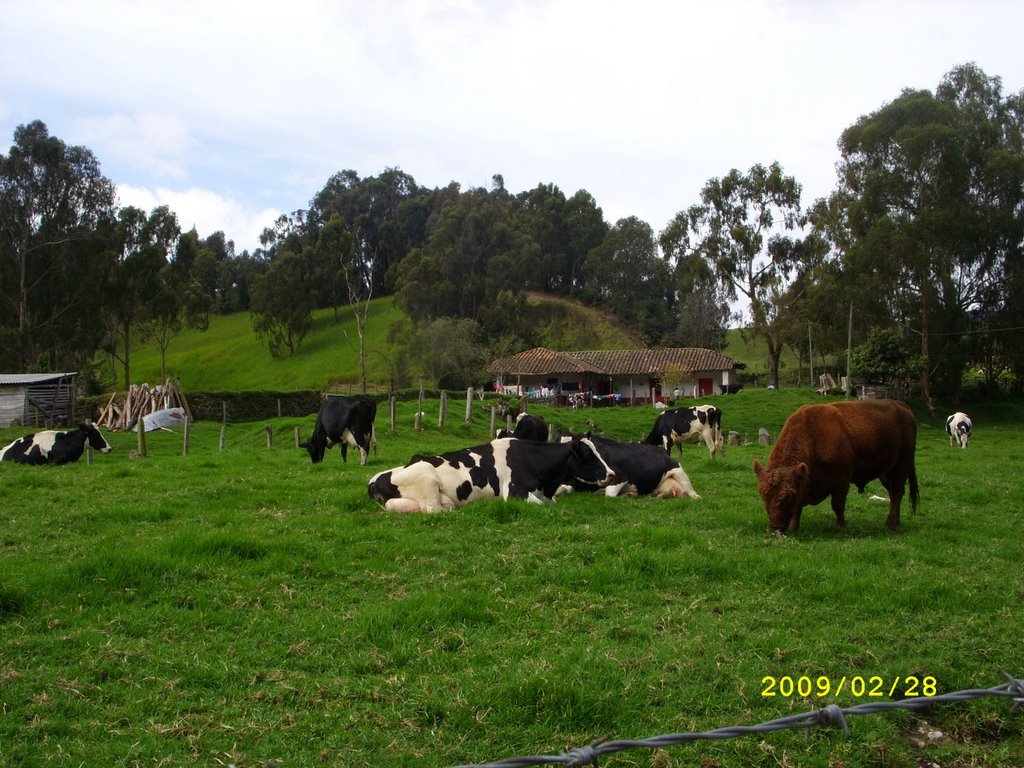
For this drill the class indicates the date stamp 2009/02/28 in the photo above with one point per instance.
(858, 686)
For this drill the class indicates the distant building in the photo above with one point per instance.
(630, 375)
(36, 399)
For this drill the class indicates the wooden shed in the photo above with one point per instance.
(37, 399)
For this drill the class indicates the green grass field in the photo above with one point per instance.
(229, 357)
(246, 607)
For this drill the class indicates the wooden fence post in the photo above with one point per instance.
(442, 414)
(223, 422)
(494, 419)
(141, 427)
(469, 404)
(298, 441)
(392, 411)
(279, 407)
(270, 437)
(419, 410)
(186, 434)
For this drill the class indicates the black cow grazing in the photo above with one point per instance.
(343, 421)
(528, 428)
(642, 469)
(688, 425)
(53, 447)
(503, 468)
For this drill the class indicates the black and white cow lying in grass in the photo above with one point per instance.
(644, 470)
(641, 470)
(55, 447)
(503, 468)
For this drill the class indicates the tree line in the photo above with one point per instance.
(922, 235)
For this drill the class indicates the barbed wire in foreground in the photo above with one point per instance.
(831, 715)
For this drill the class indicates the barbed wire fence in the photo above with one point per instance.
(829, 716)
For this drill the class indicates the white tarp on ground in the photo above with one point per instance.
(162, 419)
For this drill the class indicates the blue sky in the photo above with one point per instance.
(232, 113)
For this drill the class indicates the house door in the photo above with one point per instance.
(705, 387)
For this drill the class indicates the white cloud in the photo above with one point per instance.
(206, 211)
(156, 144)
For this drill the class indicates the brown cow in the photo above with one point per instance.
(824, 448)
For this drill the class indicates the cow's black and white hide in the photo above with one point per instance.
(527, 428)
(55, 447)
(688, 425)
(642, 469)
(504, 468)
(958, 427)
(343, 421)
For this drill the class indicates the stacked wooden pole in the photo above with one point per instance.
(142, 400)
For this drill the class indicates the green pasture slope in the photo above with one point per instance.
(229, 357)
(246, 607)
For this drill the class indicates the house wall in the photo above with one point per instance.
(637, 388)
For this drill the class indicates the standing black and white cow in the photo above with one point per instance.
(527, 428)
(503, 468)
(343, 421)
(958, 427)
(642, 469)
(688, 425)
(53, 447)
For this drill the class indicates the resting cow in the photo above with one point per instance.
(958, 427)
(688, 425)
(824, 448)
(504, 468)
(643, 470)
(343, 421)
(53, 447)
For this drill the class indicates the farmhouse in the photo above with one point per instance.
(36, 399)
(614, 376)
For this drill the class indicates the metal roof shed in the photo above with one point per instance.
(37, 399)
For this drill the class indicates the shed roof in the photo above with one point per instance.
(539, 361)
(32, 378)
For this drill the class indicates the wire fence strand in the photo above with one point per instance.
(829, 716)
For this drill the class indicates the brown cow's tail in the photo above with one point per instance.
(914, 495)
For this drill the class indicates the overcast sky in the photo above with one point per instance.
(232, 113)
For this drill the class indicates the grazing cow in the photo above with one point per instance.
(504, 468)
(824, 448)
(527, 428)
(688, 425)
(958, 427)
(643, 469)
(52, 447)
(343, 421)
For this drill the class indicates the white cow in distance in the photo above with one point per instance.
(958, 427)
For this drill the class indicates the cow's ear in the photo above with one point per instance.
(801, 472)
(757, 468)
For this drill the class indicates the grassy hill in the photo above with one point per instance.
(229, 356)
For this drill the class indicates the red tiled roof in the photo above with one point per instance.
(540, 361)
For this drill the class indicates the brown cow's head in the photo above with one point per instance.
(782, 489)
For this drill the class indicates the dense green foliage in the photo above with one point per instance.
(924, 233)
(247, 606)
(228, 356)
